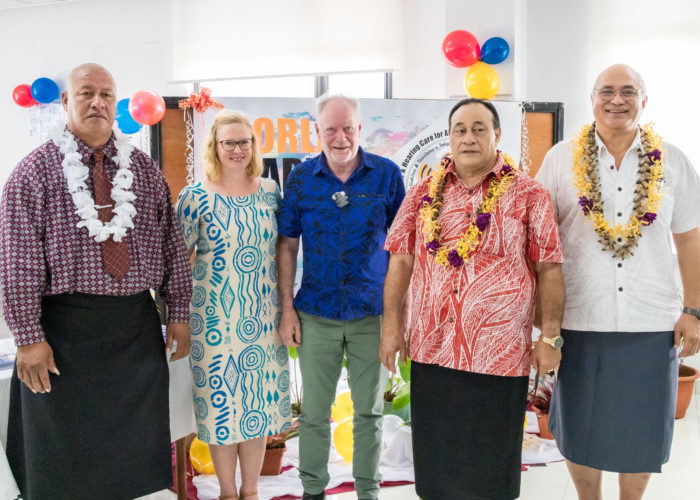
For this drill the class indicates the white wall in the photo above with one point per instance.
(131, 38)
(570, 43)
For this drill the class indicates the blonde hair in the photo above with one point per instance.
(210, 158)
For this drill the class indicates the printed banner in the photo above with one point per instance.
(411, 132)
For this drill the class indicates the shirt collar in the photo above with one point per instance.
(110, 149)
(496, 170)
(636, 143)
(322, 165)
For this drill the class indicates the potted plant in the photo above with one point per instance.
(686, 380)
(539, 400)
(274, 450)
(295, 387)
(397, 394)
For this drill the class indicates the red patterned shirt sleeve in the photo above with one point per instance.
(544, 244)
(401, 237)
(23, 274)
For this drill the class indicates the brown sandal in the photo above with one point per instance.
(248, 494)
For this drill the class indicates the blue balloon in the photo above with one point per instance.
(494, 50)
(125, 122)
(44, 90)
(123, 106)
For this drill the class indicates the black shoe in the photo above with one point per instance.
(317, 496)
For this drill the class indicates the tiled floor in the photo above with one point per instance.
(680, 479)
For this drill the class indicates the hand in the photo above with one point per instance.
(545, 358)
(181, 333)
(290, 328)
(390, 343)
(687, 335)
(34, 362)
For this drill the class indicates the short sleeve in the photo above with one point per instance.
(289, 224)
(544, 244)
(546, 176)
(397, 192)
(401, 237)
(188, 213)
(686, 191)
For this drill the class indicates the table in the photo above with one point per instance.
(182, 421)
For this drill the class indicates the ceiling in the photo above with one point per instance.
(18, 4)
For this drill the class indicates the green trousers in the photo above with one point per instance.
(323, 342)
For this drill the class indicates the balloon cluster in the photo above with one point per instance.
(43, 90)
(146, 107)
(461, 49)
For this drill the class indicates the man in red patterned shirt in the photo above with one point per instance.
(87, 227)
(476, 242)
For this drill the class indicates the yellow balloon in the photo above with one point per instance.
(525, 422)
(342, 408)
(201, 457)
(481, 81)
(342, 439)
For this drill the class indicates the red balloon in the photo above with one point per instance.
(22, 95)
(147, 107)
(460, 48)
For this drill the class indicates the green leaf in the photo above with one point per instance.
(293, 352)
(405, 370)
(403, 397)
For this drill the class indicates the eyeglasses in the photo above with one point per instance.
(607, 94)
(244, 144)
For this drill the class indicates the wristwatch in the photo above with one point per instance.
(693, 311)
(555, 342)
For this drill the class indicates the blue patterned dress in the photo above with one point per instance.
(239, 363)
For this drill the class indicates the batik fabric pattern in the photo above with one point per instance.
(239, 363)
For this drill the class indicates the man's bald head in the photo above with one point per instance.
(617, 68)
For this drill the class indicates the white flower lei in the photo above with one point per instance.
(76, 173)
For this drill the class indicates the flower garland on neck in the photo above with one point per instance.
(619, 239)
(431, 204)
(76, 173)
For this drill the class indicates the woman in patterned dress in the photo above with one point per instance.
(239, 363)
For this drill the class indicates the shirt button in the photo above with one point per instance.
(451, 320)
(612, 167)
(619, 264)
(342, 233)
(455, 291)
(619, 189)
(471, 191)
(619, 240)
(619, 289)
(468, 215)
(342, 282)
(619, 214)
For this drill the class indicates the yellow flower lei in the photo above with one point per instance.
(431, 204)
(617, 238)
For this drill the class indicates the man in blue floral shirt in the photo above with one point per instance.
(342, 202)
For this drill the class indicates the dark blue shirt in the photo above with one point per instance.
(344, 263)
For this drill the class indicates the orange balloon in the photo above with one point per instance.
(481, 81)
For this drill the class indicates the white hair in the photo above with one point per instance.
(326, 98)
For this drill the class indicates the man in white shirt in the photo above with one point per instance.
(619, 191)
